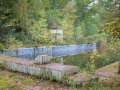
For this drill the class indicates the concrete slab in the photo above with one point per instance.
(60, 70)
(110, 81)
(27, 66)
(42, 59)
(22, 65)
(79, 79)
(107, 71)
(16, 60)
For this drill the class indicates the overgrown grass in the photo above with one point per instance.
(83, 60)
(7, 82)
(94, 86)
(26, 81)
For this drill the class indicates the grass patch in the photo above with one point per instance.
(83, 60)
(7, 82)
(26, 81)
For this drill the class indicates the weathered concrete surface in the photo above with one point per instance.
(42, 59)
(16, 60)
(110, 81)
(107, 71)
(80, 77)
(60, 70)
(107, 75)
(27, 66)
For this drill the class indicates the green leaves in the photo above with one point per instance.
(1, 47)
(29, 20)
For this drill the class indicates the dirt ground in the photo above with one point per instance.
(19, 81)
(10, 80)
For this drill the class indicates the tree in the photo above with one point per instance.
(8, 20)
(85, 10)
(91, 26)
(78, 34)
(37, 27)
(67, 22)
(113, 28)
(21, 12)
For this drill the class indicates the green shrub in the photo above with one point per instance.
(1, 47)
(1, 66)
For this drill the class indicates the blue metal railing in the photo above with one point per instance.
(54, 51)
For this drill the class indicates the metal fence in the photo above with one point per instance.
(54, 51)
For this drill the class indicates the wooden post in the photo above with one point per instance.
(119, 67)
(17, 53)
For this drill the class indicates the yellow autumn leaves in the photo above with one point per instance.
(92, 59)
(92, 66)
(95, 52)
(113, 29)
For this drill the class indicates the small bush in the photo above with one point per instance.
(1, 66)
(1, 47)
(53, 78)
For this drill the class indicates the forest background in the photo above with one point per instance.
(25, 23)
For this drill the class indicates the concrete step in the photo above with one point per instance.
(80, 79)
(108, 71)
(58, 71)
(102, 75)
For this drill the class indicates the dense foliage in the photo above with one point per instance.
(112, 27)
(27, 22)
